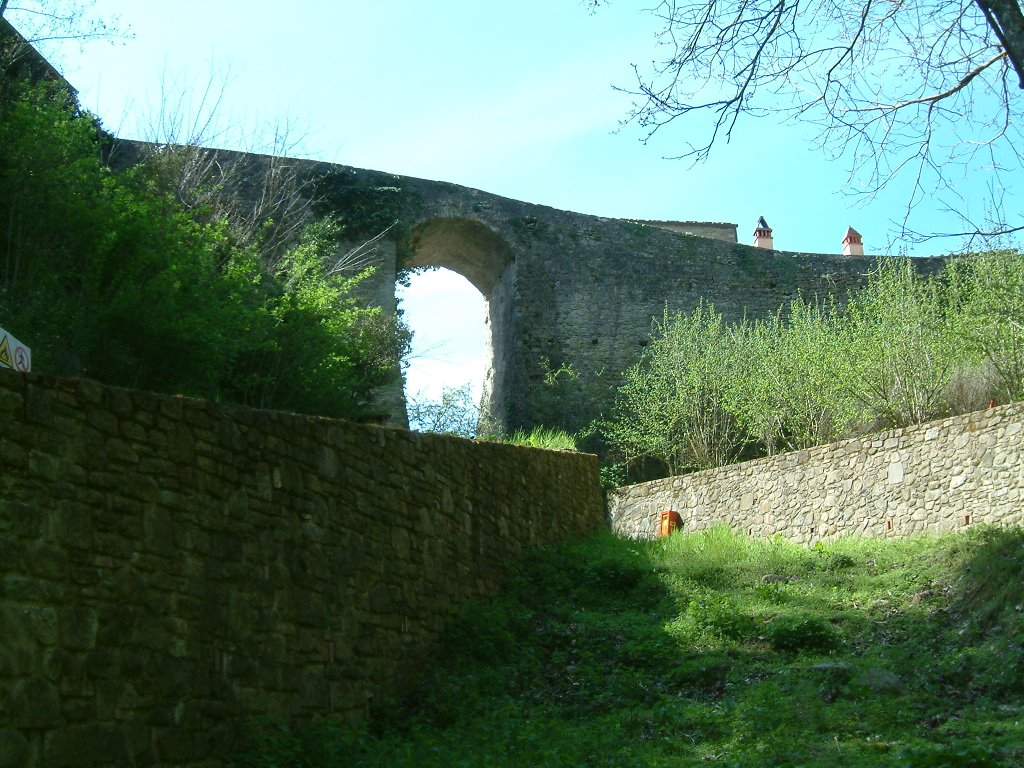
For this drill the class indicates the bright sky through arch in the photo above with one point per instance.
(446, 313)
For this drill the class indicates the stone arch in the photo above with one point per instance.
(483, 257)
(465, 246)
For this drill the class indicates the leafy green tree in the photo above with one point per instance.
(905, 346)
(108, 275)
(311, 346)
(456, 413)
(672, 407)
(992, 285)
(791, 391)
(107, 283)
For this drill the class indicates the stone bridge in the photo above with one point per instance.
(566, 288)
(561, 288)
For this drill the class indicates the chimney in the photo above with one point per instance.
(763, 234)
(852, 245)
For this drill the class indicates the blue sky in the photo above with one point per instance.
(512, 98)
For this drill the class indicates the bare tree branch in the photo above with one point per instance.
(937, 97)
(928, 89)
(359, 258)
(264, 198)
(40, 21)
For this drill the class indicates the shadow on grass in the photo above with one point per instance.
(714, 648)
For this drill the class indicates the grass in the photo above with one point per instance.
(551, 438)
(712, 649)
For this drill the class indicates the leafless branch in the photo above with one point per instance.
(937, 97)
(262, 195)
(925, 88)
(359, 258)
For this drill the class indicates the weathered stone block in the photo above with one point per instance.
(100, 663)
(78, 627)
(45, 561)
(15, 750)
(34, 703)
(18, 656)
(44, 466)
(85, 746)
(115, 699)
(12, 455)
(24, 589)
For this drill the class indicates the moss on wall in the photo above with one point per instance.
(171, 566)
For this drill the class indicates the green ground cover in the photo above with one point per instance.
(713, 649)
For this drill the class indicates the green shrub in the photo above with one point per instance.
(722, 616)
(906, 348)
(800, 632)
(107, 275)
(322, 742)
(483, 632)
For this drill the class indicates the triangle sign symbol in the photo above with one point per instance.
(5, 353)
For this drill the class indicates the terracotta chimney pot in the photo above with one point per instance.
(763, 234)
(852, 243)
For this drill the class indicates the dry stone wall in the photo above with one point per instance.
(169, 566)
(932, 478)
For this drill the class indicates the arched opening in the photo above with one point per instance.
(445, 377)
(472, 250)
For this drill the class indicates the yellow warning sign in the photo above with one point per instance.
(14, 354)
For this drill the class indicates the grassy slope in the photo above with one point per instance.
(681, 652)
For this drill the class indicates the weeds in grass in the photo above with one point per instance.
(711, 648)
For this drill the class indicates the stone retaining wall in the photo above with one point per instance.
(926, 479)
(169, 567)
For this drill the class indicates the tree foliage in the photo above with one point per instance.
(260, 192)
(904, 346)
(672, 407)
(108, 275)
(786, 390)
(456, 413)
(311, 344)
(906, 349)
(991, 289)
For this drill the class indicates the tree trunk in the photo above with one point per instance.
(1007, 21)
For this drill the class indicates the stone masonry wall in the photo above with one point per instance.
(169, 567)
(932, 478)
(712, 229)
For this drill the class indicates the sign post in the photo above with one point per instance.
(14, 354)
